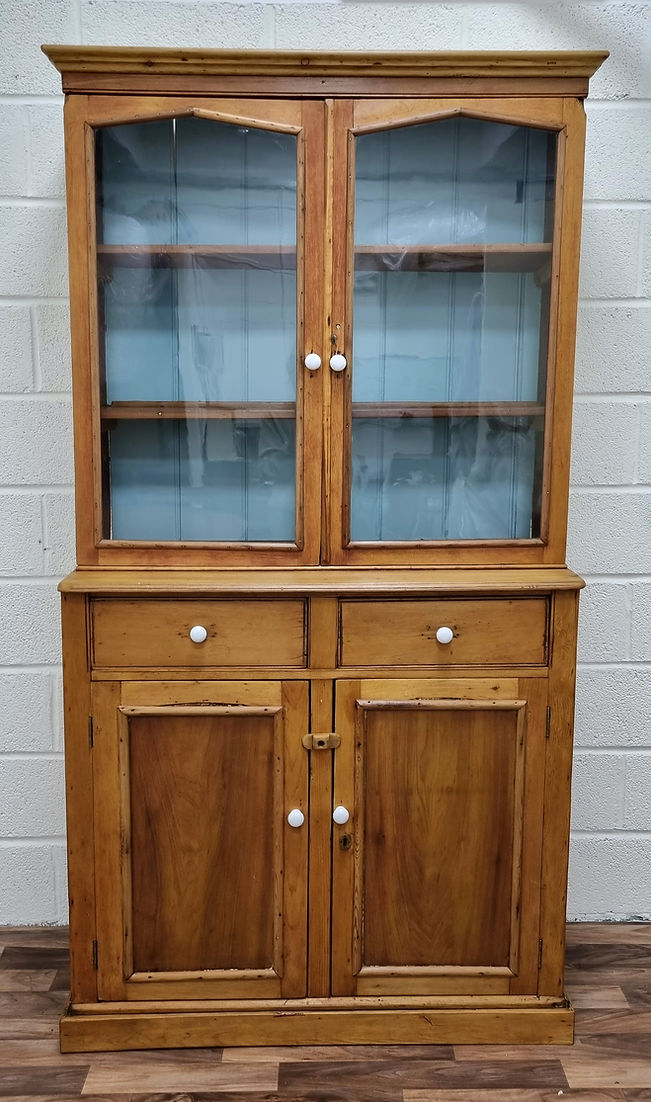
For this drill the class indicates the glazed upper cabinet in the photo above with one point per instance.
(323, 332)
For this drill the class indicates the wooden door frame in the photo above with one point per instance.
(565, 115)
(526, 696)
(113, 703)
(83, 114)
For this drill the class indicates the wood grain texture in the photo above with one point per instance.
(459, 64)
(319, 898)
(399, 633)
(558, 779)
(438, 823)
(79, 795)
(180, 787)
(203, 875)
(157, 633)
(420, 778)
(369, 581)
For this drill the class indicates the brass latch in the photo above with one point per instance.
(328, 741)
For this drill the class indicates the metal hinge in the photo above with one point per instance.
(548, 721)
(327, 741)
(91, 734)
(95, 955)
(540, 953)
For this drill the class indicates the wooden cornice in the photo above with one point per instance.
(133, 60)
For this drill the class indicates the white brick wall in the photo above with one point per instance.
(610, 529)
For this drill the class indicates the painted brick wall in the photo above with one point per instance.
(610, 540)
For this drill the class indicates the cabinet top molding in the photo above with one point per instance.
(460, 65)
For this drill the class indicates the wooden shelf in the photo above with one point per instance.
(193, 411)
(368, 258)
(447, 409)
(198, 256)
(224, 411)
(452, 258)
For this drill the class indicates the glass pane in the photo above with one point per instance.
(443, 478)
(200, 479)
(453, 231)
(197, 293)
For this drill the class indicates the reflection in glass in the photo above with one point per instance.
(453, 229)
(442, 478)
(197, 479)
(197, 295)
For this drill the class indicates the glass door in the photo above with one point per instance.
(450, 236)
(202, 317)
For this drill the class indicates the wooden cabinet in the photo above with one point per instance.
(319, 647)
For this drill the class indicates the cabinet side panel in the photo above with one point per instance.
(79, 799)
(558, 777)
(562, 341)
(79, 191)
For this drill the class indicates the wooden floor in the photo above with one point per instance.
(608, 980)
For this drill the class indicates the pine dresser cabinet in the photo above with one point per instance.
(319, 648)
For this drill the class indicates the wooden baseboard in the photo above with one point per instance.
(137, 1030)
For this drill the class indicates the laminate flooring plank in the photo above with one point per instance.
(608, 956)
(43, 1004)
(45, 937)
(53, 1080)
(335, 1053)
(34, 957)
(174, 1096)
(637, 994)
(111, 1074)
(626, 1021)
(529, 1095)
(40, 1052)
(596, 997)
(354, 1081)
(200, 1057)
(27, 979)
(536, 1054)
(612, 977)
(587, 1066)
(617, 1045)
(581, 933)
(61, 981)
(28, 1028)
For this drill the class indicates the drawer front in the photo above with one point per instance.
(484, 633)
(237, 633)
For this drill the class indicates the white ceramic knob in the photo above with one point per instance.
(337, 362)
(444, 635)
(312, 361)
(198, 634)
(340, 815)
(296, 817)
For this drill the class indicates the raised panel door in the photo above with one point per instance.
(444, 303)
(201, 880)
(433, 873)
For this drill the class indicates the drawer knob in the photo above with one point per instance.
(198, 634)
(313, 361)
(340, 815)
(338, 362)
(444, 635)
(296, 818)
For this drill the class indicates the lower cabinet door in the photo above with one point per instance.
(201, 881)
(436, 872)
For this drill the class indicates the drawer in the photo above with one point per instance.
(238, 633)
(485, 632)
